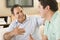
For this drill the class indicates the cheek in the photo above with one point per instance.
(41, 11)
(16, 16)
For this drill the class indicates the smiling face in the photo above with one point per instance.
(18, 13)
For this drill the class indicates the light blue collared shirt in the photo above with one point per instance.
(31, 26)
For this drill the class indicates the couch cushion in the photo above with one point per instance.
(2, 31)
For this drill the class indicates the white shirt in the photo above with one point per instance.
(31, 26)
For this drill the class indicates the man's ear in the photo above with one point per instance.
(47, 8)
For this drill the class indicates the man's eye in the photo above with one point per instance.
(21, 11)
(17, 12)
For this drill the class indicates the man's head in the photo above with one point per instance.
(48, 5)
(17, 11)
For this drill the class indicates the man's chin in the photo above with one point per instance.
(20, 20)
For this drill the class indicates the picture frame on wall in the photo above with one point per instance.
(23, 3)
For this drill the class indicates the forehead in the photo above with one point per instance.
(18, 9)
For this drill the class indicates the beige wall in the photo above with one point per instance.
(59, 5)
(3, 9)
(28, 10)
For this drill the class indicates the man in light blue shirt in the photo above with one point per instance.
(23, 26)
(49, 10)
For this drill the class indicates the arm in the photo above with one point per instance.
(40, 21)
(8, 35)
(16, 31)
(44, 37)
(30, 37)
(42, 33)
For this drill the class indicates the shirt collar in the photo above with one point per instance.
(24, 21)
(54, 16)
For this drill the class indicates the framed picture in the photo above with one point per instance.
(23, 3)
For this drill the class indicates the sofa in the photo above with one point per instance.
(2, 31)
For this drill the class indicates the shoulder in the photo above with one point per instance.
(13, 22)
(34, 17)
(58, 17)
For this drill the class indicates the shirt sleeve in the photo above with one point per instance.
(11, 26)
(45, 30)
(57, 28)
(39, 20)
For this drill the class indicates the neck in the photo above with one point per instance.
(49, 15)
(21, 21)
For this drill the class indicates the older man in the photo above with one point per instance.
(23, 27)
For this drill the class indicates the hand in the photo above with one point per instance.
(18, 31)
(44, 37)
(30, 37)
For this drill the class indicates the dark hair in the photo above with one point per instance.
(52, 3)
(14, 6)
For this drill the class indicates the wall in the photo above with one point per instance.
(59, 6)
(28, 10)
(3, 9)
